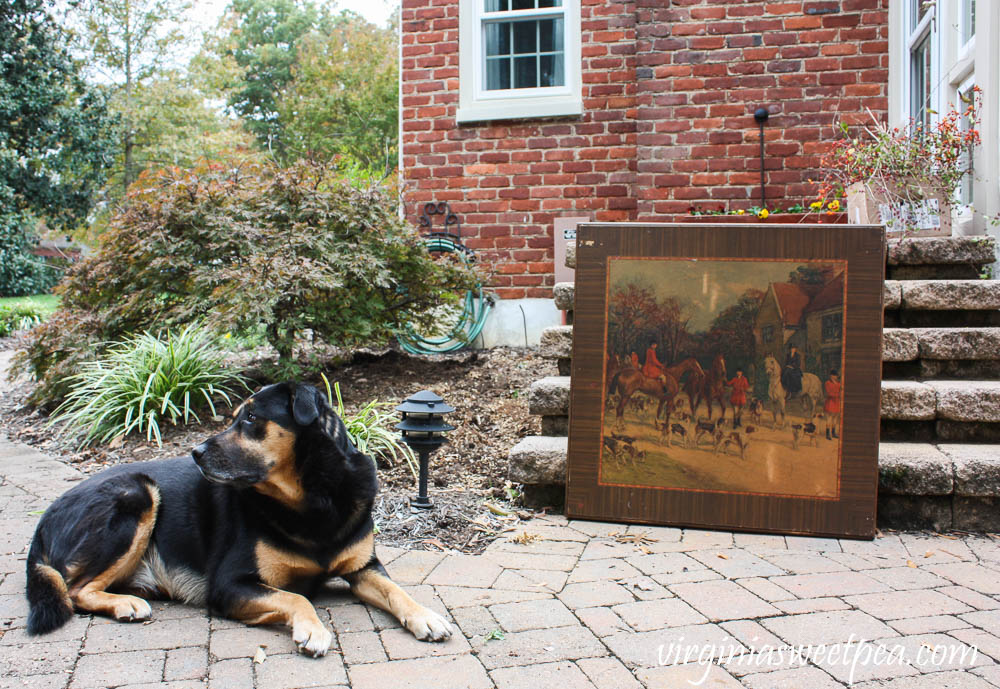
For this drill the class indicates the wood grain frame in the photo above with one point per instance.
(851, 511)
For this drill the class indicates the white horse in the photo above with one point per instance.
(811, 394)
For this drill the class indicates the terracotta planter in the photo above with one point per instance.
(822, 218)
(866, 206)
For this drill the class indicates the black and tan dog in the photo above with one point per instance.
(260, 518)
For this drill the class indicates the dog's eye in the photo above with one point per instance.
(250, 418)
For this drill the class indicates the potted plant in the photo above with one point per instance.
(907, 177)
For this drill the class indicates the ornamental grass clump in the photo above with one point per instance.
(372, 429)
(145, 381)
(14, 318)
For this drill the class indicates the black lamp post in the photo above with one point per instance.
(423, 429)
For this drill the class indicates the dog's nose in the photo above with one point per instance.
(197, 451)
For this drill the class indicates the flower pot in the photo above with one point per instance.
(868, 206)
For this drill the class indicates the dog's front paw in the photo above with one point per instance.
(427, 625)
(312, 638)
(131, 609)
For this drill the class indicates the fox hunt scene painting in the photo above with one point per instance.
(724, 375)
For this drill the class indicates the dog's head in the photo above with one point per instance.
(273, 435)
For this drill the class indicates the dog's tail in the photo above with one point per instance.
(48, 598)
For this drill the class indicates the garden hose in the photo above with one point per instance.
(469, 322)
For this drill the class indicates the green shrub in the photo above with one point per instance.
(143, 381)
(372, 431)
(13, 318)
(21, 272)
(247, 248)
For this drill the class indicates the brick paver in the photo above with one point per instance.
(574, 608)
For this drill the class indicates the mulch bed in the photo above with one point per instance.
(473, 500)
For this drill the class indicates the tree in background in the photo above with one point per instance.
(130, 44)
(343, 98)
(55, 139)
(260, 40)
(306, 82)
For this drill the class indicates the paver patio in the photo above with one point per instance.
(574, 608)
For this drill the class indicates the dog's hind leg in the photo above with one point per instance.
(373, 585)
(90, 593)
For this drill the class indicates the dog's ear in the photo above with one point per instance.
(305, 404)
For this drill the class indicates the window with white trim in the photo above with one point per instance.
(519, 59)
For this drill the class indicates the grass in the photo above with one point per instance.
(44, 304)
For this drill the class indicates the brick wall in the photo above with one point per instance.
(669, 91)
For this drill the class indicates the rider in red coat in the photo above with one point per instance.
(652, 368)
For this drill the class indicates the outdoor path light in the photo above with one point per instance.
(423, 429)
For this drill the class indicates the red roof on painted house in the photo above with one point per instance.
(831, 296)
(792, 301)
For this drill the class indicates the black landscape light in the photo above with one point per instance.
(423, 429)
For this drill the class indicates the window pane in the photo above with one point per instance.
(551, 70)
(525, 34)
(496, 6)
(550, 35)
(968, 20)
(497, 73)
(920, 87)
(498, 39)
(523, 5)
(550, 3)
(525, 72)
(918, 8)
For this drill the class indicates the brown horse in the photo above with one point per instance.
(695, 380)
(628, 381)
(712, 387)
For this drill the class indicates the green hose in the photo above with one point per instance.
(475, 308)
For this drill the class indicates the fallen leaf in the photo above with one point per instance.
(525, 538)
(909, 563)
(928, 553)
(722, 556)
(259, 657)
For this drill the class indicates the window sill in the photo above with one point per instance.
(519, 109)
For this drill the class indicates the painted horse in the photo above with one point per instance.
(629, 381)
(810, 395)
(712, 388)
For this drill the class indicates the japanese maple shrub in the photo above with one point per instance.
(246, 247)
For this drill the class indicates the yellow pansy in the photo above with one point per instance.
(834, 205)
(816, 205)
(740, 212)
(763, 213)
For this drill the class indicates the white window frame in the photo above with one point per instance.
(476, 104)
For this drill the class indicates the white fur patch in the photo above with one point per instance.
(177, 583)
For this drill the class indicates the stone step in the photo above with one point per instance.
(966, 401)
(911, 295)
(941, 344)
(944, 486)
(939, 257)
